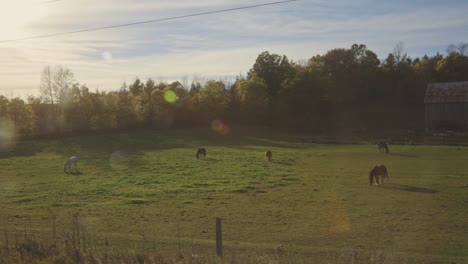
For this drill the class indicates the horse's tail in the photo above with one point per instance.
(371, 178)
(65, 167)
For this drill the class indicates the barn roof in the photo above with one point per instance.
(453, 92)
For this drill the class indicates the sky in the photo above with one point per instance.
(216, 46)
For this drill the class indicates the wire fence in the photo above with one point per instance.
(196, 238)
(76, 236)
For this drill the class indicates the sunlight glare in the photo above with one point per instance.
(16, 17)
(219, 127)
(7, 134)
(118, 160)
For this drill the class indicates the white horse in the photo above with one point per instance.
(70, 161)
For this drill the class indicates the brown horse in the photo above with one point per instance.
(201, 152)
(383, 146)
(268, 155)
(384, 173)
(374, 174)
(377, 173)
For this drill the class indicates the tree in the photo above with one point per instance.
(272, 68)
(54, 87)
(74, 117)
(63, 81)
(253, 99)
(125, 114)
(453, 68)
(195, 87)
(169, 106)
(425, 72)
(399, 53)
(3, 107)
(460, 48)
(22, 117)
(6, 127)
(46, 87)
(143, 103)
(136, 88)
(397, 81)
(212, 101)
(426, 67)
(338, 68)
(365, 75)
(301, 97)
(85, 110)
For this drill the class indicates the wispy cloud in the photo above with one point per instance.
(215, 45)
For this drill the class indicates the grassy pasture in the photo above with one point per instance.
(314, 199)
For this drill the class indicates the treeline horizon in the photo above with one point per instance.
(345, 89)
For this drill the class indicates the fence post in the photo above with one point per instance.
(219, 239)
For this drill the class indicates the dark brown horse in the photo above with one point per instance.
(201, 152)
(378, 173)
(383, 146)
(384, 173)
(374, 174)
(268, 155)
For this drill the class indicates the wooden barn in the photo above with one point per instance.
(446, 106)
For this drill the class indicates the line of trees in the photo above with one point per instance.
(342, 89)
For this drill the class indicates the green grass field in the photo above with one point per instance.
(148, 189)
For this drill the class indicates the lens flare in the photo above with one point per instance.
(106, 56)
(219, 127)
(7, 134)
(118, 160)
(338, 220)
(170, 96)
(341, 222)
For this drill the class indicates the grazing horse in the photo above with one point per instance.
(374, 174)
(201, 152)
(70, 161)
(268, 155)
(384, 173)
(382, 145)
(378, 172)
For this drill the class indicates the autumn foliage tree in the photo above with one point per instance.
(344, 87)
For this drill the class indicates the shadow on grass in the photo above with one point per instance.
(407, 188)
(23, 149)
(209, 159)
(74, 172)
(282, 162)
(404, 155)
